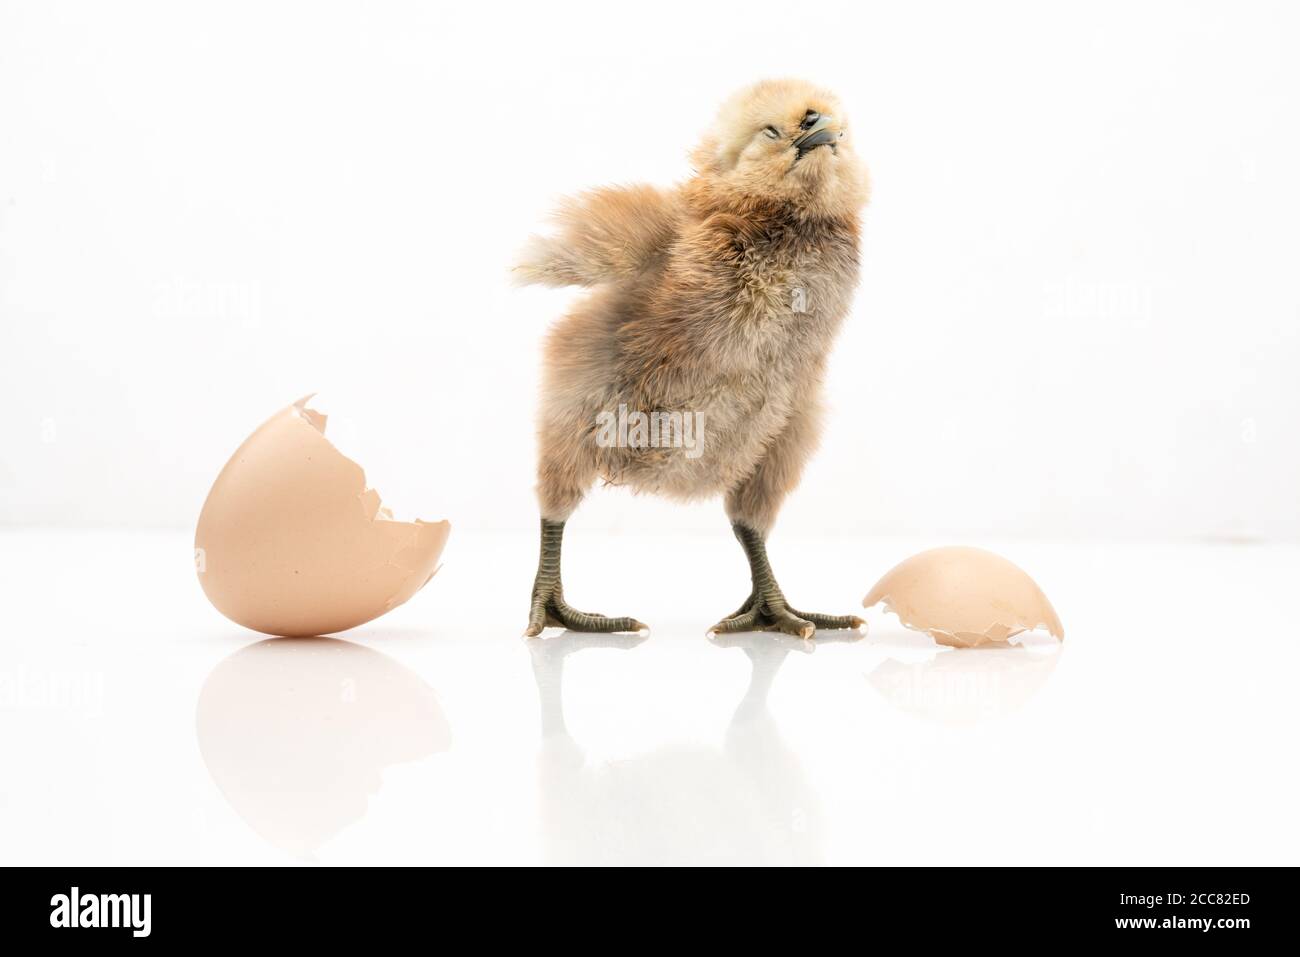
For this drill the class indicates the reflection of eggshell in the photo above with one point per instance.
(965, 597)
(298, 733)
(966, 687)
(291, 542)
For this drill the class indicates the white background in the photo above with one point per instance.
(1078, 315)
(1074, 343)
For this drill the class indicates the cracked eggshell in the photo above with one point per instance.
(965, 597)
(292, 542)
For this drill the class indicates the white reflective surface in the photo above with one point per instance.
(137, 726)
(297, 734)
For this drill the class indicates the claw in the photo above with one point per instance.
(743, 620)
(832, 622)
(550, 609)
(773, 615)
(791, 624)
(536, 619)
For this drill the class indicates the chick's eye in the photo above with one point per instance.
(772, 132)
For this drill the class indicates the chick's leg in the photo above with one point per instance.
(548, 605)
(766, 609)
(565, 471)
(752, 508)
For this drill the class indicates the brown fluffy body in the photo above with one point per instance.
(693, 310)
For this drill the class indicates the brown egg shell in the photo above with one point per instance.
(965, 597)
(292, 542)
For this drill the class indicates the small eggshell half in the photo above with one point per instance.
(965, 597)
(292, 542)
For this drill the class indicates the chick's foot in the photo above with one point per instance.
(766, 608)
(548, 607)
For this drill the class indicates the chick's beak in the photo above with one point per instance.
(819, 134)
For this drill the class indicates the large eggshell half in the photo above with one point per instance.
(965, 597)
(292, 542)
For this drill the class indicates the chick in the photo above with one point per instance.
(694, 367)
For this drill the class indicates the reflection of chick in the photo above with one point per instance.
(747, 804)
(714, 309)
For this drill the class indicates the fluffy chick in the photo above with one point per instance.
(717, 300)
